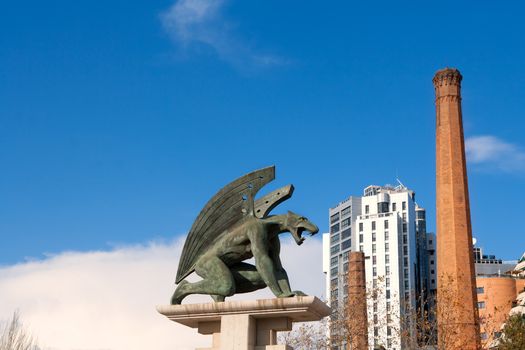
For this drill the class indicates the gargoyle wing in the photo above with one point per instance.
(264, 206)
(226, 208)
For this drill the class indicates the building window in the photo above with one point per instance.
(386, 224)
(376, 332)
(361, 238)
(431, 262)
(346, 211)
(480, 290)
(334, 250)
(375, 307)
(374, 283)
(404, 217)
(334, 218)
(432, 271)
(346, 233)
(387, 270)
(403, 206)
(345, 256)
(367, 209)
(388, 330)
(405, 261)
(430, 241)
(387, 247)
(404, 227)
(405, 250)
(334, 294)
(345, 267)
(346, 244)
(375, 319)
(393, 206)
(382, 207)
(405, 273)
(481, 304)
(361, 249)
(387, 282)
(387, 236)
(345, 223)
(373, 236)
(334, 271)
(404, 239)
(373, 248)
(333, 260)
(374, 260)
(374, 272)
(388, 293)
(373, 225)
(387, 306)
(360, 227)
(334, 228)
(387, 259)
(334, 238)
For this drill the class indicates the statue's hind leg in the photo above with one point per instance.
(247, 278)
(217, 281)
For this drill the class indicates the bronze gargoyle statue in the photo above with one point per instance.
(232, 228)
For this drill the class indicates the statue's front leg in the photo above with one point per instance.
(282, 280)
(280, 273)
(284, 283)
(263, 262)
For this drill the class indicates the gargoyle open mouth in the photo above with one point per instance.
(298, 233)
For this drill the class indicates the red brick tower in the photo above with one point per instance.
(356, 307)
(458, 323)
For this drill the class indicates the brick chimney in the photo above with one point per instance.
(458, 322)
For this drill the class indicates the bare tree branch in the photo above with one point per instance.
(14, 336)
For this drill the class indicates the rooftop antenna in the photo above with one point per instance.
(400, 183)
(397, 175)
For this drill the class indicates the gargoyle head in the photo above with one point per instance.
(297, 224)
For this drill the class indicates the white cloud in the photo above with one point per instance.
(106, 299)
(201, 22)
(491, 153)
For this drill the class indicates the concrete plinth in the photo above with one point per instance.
(247, 325)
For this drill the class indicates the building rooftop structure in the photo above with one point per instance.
(490, 265)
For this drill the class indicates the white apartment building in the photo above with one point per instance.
(382, 224)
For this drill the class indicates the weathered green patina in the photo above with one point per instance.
(232, 228)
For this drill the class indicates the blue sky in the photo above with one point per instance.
(118, 121)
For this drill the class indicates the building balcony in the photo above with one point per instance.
(374, 216)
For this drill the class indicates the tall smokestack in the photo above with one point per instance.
(458, 323)
(356, 307)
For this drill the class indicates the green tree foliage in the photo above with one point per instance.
(513, 337)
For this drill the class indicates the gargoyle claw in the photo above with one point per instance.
(298, 293)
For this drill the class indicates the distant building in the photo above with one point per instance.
(489, 265)
(518, 307)
(498, 286)
(388, 226)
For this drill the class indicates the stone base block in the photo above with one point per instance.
(247, 325)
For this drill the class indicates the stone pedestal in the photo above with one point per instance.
(247, 325)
